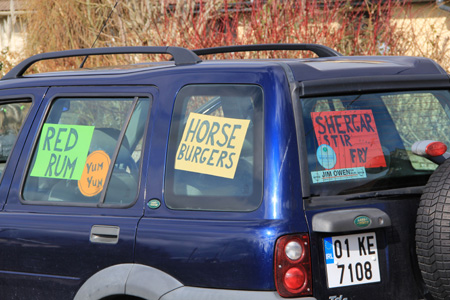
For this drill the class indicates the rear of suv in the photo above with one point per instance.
(225, 179)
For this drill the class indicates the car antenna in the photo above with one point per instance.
(98, 35)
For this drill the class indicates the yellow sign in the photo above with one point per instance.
(94, 174)
(211, 145)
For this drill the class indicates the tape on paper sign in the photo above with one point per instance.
(353, 136)
(62, 151)
(94, 173)
(211, 145)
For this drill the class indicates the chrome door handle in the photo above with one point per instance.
(104, 234)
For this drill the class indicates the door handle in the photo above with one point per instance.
(104, 234)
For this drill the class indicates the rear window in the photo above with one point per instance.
(362, 143)
(215, 149)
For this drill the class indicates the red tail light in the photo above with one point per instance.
(429, 148)
(435, 149)
(293, 276)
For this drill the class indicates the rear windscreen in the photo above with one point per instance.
(362, 143)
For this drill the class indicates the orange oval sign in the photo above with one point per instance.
(94, 174)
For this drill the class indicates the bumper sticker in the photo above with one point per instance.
(338, 174)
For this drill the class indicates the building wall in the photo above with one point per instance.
(429, 27)
(12, 33)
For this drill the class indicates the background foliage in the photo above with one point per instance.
(369, 29)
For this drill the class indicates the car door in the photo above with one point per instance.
(15, 106)
(76, 198)
(364, 187)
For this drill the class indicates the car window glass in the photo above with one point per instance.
(215, 149)
(81, 141)
(12, 117)
(360, 143)
(428, 118)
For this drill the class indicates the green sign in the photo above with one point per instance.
(62, 151)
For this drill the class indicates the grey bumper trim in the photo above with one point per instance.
(192, 293)
(344, 220)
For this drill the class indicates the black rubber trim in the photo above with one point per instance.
(349, 85)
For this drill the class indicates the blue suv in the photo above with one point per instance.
(226, 179)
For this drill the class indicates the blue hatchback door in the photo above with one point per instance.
(75, 199)
(365, 185)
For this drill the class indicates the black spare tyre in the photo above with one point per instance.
(433, 233)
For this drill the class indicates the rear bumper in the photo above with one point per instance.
(192, 293)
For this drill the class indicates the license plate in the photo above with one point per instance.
(351, 259)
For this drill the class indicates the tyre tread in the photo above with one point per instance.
(433, 233)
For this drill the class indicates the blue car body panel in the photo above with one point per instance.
(47, 252)
(192, 237)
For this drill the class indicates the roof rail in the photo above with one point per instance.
(181, 56)
(320, 50)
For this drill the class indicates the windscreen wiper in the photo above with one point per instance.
(417, 190)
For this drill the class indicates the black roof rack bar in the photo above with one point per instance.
(320, 50)
(181, 56)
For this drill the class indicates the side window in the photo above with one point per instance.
(215, 149)
(88, 152)
(12, 117)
